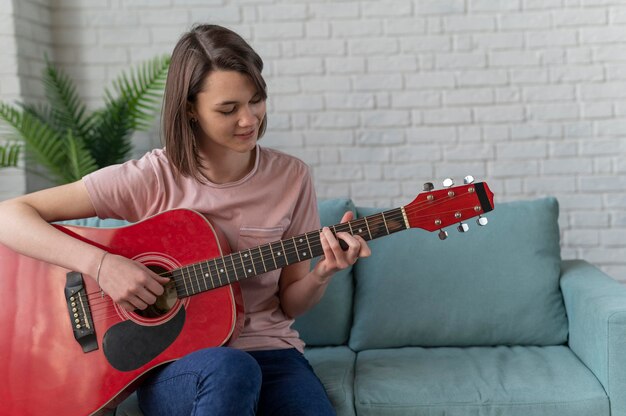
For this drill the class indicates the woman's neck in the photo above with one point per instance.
(227, 166)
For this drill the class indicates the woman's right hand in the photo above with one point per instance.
(129, 283)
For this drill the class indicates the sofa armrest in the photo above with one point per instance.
(596, 310)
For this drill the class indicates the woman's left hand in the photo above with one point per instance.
(335, 258)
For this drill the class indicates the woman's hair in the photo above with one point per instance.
(200, 51)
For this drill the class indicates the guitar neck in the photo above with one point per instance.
(235, 267)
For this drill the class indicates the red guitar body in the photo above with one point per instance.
(43, 368)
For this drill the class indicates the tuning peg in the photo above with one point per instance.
(463, 228)
(428, 186)
(448, 182)
(468, 179)
(443, 235)
(481, 220)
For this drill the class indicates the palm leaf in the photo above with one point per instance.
(139, 96)
(109, 139)
(142, 89)
(10, 154)
(66, 109)
(42, 142)
(79, 160)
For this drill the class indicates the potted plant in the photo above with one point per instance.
(68, 141)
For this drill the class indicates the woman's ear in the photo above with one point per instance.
(191, 113)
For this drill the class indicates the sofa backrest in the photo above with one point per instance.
(494, 285)
(328, 322)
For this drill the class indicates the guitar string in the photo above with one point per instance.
(229, 270)
(204, 268)
(377, 221)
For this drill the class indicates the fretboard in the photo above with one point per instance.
(235, 267)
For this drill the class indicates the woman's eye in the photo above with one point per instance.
(228, 111)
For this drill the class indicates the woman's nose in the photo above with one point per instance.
(247, 117)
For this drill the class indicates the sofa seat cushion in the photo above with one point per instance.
(335, 368)
(516, 381)
(494, 285)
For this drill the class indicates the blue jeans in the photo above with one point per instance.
(226, 381)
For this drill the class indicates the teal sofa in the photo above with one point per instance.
(489, 322)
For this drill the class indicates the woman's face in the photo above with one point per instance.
(229, 111)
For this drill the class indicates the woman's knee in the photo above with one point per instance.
(231, 367)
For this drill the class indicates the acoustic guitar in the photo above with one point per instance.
(68, 350)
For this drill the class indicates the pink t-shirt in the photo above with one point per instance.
(275, 201)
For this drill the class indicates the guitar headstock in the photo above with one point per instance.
(434, 210)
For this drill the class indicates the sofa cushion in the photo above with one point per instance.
(335, 368)
(516, 381)
(494, 285)
(328, 322)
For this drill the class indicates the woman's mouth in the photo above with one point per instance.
(246, 135)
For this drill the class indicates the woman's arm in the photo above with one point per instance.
(301, 289)
(24, 222)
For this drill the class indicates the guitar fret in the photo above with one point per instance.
(221, 270)
(306, 237)
(273, 257)
(211, 273)
(199, 277)
(368, 228)
(232, 260)
(284, 252)
(385, 222)
(182, 273)
(262, 259)
(350, 227)
(195, 274)
(204, 276)
(296, 248)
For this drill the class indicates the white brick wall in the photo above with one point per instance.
(380, 96)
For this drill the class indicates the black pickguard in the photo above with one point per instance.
(128, 345)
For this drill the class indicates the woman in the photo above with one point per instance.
(214, 112)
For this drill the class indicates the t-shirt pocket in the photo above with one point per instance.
(251, 236)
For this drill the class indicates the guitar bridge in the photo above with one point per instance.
(80, 312)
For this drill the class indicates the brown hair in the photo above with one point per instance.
(200, 51)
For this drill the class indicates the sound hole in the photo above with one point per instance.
(165, 302)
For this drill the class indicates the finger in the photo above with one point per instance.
(137, 303)
(146, 296)
(127, 306)
(354, 245)
(342, 259)
(347, 216)
(364, 249)
(154, 284)
(328, 252)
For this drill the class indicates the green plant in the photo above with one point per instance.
(9, 154)
(69, 142)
